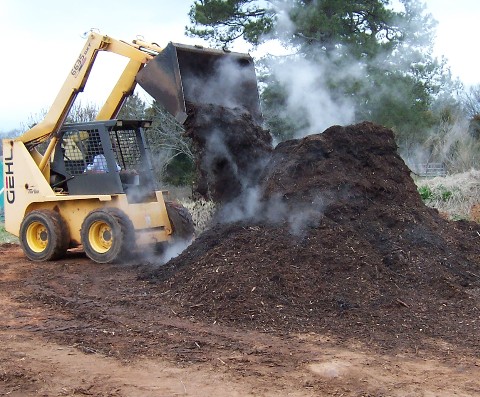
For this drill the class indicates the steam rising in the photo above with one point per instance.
(230, 82)
(245, 206)
(217, 149)
(253, 207)
(449, 145)
(173, 250)
(160, 256)
(226, 86)
(308, 98)
(310, 103)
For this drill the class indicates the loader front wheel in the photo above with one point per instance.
(44, 235)
(108, 235)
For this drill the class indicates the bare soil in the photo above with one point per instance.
(76, 328)
(342, 284)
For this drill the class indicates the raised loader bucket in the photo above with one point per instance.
(183, 74)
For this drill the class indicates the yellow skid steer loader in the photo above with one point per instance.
(93, 184)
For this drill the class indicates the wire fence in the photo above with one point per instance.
(430, 170)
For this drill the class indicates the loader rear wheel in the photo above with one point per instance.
(108, 235)
(182, 223)
(44, 235)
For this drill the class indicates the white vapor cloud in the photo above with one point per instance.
(308, 96)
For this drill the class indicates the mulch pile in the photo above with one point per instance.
(342, 244)
(230, 155)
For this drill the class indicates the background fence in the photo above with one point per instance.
(430, 169)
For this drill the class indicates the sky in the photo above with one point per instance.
(42, 39)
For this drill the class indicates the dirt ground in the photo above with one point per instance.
(76, 328)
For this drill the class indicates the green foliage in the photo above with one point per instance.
(397, 79)
(223, 21)
(445, 194)
(180, 171)
(397, 101)
(377, 58)
(440, 193)
(362, 26)
(425, 192)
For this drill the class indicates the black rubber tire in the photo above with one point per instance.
(44, 235)
(108, 236)
(182, 223)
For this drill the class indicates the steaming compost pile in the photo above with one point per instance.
(229, 156)
(342, 244)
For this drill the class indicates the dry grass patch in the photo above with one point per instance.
(457, 195)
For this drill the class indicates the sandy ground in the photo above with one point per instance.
(75, 328)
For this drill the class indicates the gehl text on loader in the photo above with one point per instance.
(92, 184)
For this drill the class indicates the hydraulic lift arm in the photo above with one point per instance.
(75, 83)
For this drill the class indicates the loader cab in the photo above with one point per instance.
(104, 157)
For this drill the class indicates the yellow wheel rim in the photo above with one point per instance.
(37, 237)
(100, 236)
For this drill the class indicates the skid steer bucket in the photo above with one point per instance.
(183, 74)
